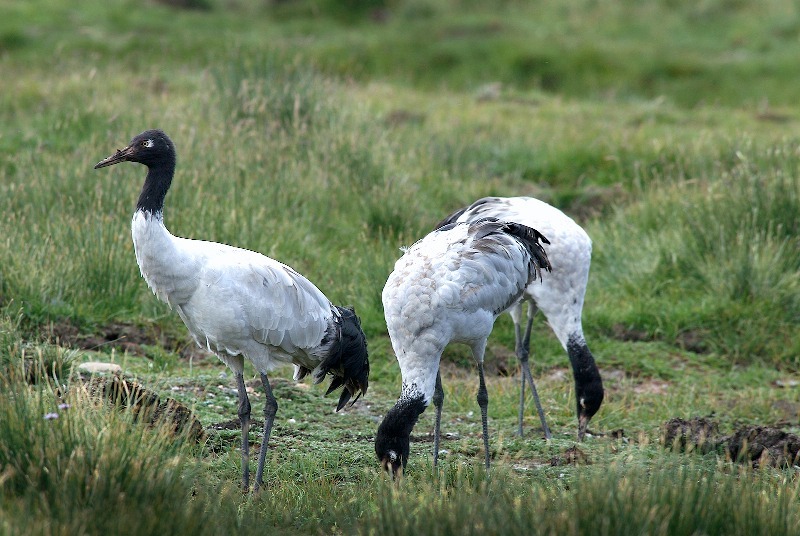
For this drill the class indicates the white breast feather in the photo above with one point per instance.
(233, 299)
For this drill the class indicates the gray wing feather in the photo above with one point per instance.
(259, 298)
(287, 309)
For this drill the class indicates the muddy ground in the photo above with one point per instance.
(753, 444)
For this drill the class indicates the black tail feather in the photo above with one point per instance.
(336, 382)
(530, 238)
(301, 373)
(452, 218)
(344, 398)
(348, 360)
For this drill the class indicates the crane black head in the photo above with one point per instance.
(589, 398)
(151, 148)
(155, 150)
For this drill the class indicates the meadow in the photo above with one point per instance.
(329, 134)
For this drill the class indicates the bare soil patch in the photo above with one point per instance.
(760, 446)
(123, 337)
(690, 340)
(571, 456)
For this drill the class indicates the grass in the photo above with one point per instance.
(327, 139)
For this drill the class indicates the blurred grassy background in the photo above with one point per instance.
(328, 134)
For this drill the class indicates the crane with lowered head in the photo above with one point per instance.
(448, 287)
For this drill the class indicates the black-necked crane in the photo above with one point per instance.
(450, 287)
(241, 304)
(559, 296)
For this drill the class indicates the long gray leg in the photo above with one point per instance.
(518, 345)
(523, 352)
(270, 409)
(526, 371)
(244, 419)
(438, 402)
(483, 402)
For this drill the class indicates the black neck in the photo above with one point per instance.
(584, 368)
(395, 430)
(158, 181)
(588, 383)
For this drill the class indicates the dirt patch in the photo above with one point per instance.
(421, 438)
(123, 337)
(624, 333)
(619, 433)
(503, 363)
(571, 456)
(652, 387)
(760, 446)
(764, 446)
(692, 341)
(698, 433)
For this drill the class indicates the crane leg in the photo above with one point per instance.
(244, 419)
(438, 401)
(519, 350)
(483, 402)
(270, 409)
(523, 352)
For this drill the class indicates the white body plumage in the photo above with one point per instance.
(234, 301)
(561, 293)
(238, 303)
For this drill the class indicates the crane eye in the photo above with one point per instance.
(147, 143)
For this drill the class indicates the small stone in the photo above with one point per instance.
(95, 367)
(786, 383)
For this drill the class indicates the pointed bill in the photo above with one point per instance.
(583, 423)
(120, 156)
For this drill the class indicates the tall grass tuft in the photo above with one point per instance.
(70, 464)
(717, 255)
(274, 94)
(675, 498)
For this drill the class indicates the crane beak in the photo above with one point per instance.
(391, 465)
(583, 423)
(120, 156)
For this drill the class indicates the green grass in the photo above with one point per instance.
(327, 138)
